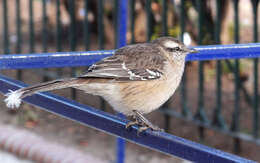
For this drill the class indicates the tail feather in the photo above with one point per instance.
(13, 99)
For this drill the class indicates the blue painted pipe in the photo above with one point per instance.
(72, 59)
(121, 35)
(220, 52)
(57, 59)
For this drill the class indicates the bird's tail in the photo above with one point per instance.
(13, 98)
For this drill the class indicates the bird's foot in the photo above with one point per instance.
(131, 123)
(141, 121)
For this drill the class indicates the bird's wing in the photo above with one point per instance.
(134, 62)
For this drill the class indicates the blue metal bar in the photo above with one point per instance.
(58, 59)
(113, 125)
(121, 24)
(220, 52)
(73, 59)
(120, 148)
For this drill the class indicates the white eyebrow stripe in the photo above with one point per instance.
(171, 44)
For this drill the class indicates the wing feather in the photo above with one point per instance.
(133, 62)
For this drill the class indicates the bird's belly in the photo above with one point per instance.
(144, 97)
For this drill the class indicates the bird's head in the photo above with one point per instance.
(173, 47)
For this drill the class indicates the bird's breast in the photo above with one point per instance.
(146, 96)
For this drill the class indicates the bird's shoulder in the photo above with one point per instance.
(140, 49)
(143, 55)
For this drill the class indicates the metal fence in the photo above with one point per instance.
(53, 39)
(115, 125)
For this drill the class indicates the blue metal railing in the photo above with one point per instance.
(114, 125)
(121, 24)
(74, 59)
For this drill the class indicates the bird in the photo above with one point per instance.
(135, 80)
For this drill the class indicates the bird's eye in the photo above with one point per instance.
(173, 49)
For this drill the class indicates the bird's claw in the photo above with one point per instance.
(146, 127)
(131, 123)
(143, 124)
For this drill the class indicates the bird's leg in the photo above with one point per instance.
(145, 122)
(134, 122)
(140, 120)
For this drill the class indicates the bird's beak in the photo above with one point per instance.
(192, 51)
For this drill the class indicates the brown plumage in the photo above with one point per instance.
(133, 58)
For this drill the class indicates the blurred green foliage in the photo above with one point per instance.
(231, 32)
(173, 31)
